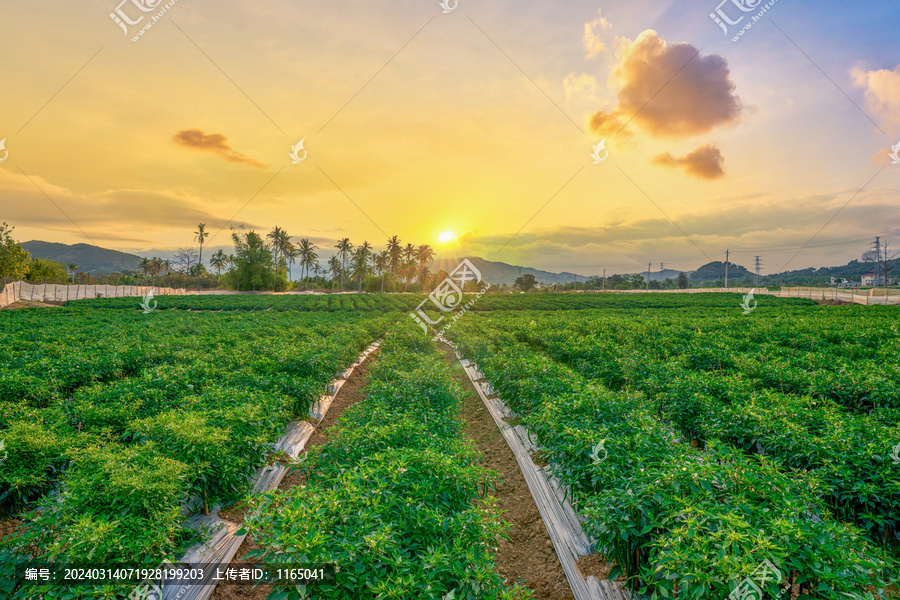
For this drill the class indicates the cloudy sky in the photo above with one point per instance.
(479, 121)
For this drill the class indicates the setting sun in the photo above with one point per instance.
(446, 236)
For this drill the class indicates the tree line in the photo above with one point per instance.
(266, 263)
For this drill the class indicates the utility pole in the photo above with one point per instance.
(727, 252)
(604, 280)
(757, 268)
(649, 266)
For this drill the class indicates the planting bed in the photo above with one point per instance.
(686, 403)
(118, 425)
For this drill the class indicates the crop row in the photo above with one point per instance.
(170, 413)
(395, 498)
(848, 451)
(486, 303)
(289, 302)
(677, 520)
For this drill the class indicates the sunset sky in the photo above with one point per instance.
(479, 120)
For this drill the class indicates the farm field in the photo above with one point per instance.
(699, 442)
(696, 441)
(116, 422)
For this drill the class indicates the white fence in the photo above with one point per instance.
(872, 297)
(50, 292)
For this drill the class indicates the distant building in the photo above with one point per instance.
(849, 284)
(869, 279)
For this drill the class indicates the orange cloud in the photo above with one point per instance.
(592, 43)
(214, 142)
(706, 162)
(668, 91)
(882, 94)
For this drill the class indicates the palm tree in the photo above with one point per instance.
(381, 262)
(144, 264)
(219, 261)
(334, 265)
(156, 266)
(308, 256)
(394, 250)
(344, 247)
(361, 262)
(200, 236)
(280, 242)
(73, 268)
(291, 253)
(409, 263)
(424, 254)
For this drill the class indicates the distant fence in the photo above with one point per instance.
(19, 290)
(874, 296)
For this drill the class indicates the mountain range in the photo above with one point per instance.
(95, 260)
(92, 260)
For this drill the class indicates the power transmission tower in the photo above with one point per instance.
(727, 253)
(604, 280)
(756, 268)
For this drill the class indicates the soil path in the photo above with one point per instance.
(528, 554)
(350, 393)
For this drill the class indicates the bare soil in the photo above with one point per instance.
(528, 555)
(350, 393)
(8, 527)
(30, 304)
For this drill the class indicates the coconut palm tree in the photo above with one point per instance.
(409, 263)
(382, 261)
(280, 242)
(424, 254)
(308, 256)
(144, 265)
(219, 261)
(344, 248)
(291, 253)
(73, 268)
(334, 265)
(200, 236)
(361, 262)
(394, 250)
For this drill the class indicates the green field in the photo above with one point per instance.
(727, 439)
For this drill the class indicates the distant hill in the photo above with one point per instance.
(716, 269)
(500, 273)
(90, 259)
(852, 271)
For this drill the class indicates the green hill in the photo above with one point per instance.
(90, 259)
(499, 273)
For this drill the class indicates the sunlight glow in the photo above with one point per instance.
(446, 236)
